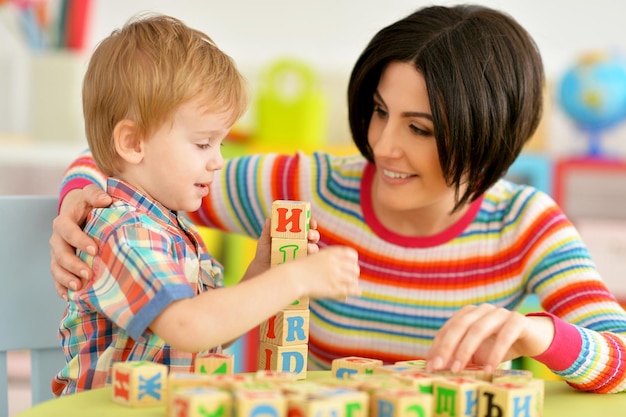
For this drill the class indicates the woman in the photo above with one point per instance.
(441, 103)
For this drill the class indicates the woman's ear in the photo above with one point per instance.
(128, 143)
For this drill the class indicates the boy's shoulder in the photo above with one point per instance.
(104, 221)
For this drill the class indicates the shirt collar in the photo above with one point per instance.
(124, 192)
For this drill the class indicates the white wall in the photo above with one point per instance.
(330, 34)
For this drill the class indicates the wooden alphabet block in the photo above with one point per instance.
(214, 364)
(139, 384)
(354, 403)
(508, 400)
(284, 358)
(401, 402)
(313, 404)
(259, 403)
(201, 402)
(350, 365)
(393, 369)
(456, 397)
(183, 380)
(417, 363)
(229, 382)
(275, 376)
(287, 250)
(286, 328)
(422, 381)
(290, 219)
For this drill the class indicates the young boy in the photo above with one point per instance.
(159, 98)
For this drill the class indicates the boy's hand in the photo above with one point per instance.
(66, 268)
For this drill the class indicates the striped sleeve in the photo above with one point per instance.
(81, 172)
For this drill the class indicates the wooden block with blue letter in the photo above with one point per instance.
(214, 364)
(350, 365)
(201, 402)
(139, 384)
(286, 328)
(401, 402)
(253, 403)
(456, 397)
(284, 358)
(508, 400)
(290, 219)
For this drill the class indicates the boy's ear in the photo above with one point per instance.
(128, 143)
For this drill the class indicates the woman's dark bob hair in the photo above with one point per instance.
(485, 82)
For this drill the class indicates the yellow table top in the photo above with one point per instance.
(560, 400)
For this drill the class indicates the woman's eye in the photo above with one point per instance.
(420, 131)
(380, 111)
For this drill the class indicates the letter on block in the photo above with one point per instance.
(259, 403)
(287, 250)
(313, 404)
(350, 365)
(139, 384)
(284, 358)
(420, 380)
(290, 219)
(401, 402)
(286, 328)
(508, 400)
(456, 397)
(214, 364)
(201, 402)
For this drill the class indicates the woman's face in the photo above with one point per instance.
(401, 135)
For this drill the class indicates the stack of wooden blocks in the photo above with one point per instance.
(284, 337)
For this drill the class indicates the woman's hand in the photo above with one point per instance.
(67, 236)
(486, 335)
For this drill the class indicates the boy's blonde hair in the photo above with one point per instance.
(144, 71)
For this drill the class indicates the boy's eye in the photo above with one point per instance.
(204, 146)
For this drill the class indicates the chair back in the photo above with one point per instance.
(30, 310)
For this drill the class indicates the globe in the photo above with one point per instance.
(593, 94)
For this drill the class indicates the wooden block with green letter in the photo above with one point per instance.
(201, 402)
(214, 364)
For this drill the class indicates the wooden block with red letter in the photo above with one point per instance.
(422, 381)
(350, 365)
(286, 328)
(214, 364)
(290, 219)
(313, 404)
(259, 403)
(201, 402)
(508, 400)
(401, 402)
(139, 384)
(275, 376)
(183, 380)
(456, 397)
(284, 358)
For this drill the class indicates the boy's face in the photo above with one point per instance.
(180, 158)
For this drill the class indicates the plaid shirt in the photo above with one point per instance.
(147, 258)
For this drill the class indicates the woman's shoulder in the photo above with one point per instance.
(509, 198)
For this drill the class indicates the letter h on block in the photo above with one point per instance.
(139, 384)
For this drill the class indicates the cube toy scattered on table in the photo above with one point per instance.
(509, 400)
(139, 384)
(401, 402)
(183, 380)
(344, 367)
(259, 403)
(456, 396)
(420, 380)
(214, 363)
(286, 328)
(201, 402)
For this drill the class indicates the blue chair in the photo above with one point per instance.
(30, 310)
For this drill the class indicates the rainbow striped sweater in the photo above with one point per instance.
(514, 241)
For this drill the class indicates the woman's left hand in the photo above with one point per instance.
(487, 335)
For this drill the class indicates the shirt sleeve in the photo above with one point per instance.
(137, 277)
(589, 346)
(81, 172)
